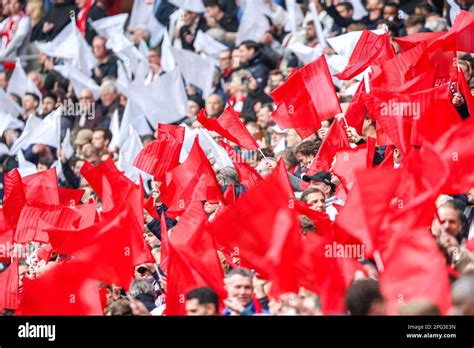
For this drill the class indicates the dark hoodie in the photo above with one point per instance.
(59, 14)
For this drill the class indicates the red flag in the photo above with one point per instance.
(6, 238)
(181, 190)
(229, 195)
(229, 125)
(414, 267)
(248, 176)
(285, 247)
(94, 175)
(121, 235)
(351, 160)
(306, 99)
(150, 207)
(9, 283)
(367, 204)
(60, 291)
(370, 49)
(460, 36)
(321, 221)
(336, 140)
(164, 256)
(247, 226)
(456, 148)
(41, 189)
(410, 41)
(280, 170)
(193, 260)
(13, 197)
(161, 155)
(70, 197)
(355, 113)
(466, 91)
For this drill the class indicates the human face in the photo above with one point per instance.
(390, 12)
(225, 61)
(276, 138)
(470, 196)
(241, 288)
(48, 105)
(15, 7)
(193, 308)
(264, 117)
(320, 186)
(29, 103)
(85, 98)
(213, 106)
(151, 239)
(310, 32)
(98, 140)
(317, 201)
(304, 160)
(276, 81)
(343, 12)
(193, 108)
(189, 17)
(450, 220)
(210, 208)
(153, 58)
(98, 47)
(107, 97)
(245, 54)
(78, 167)
(81, 3)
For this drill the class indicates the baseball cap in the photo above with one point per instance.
(84, 136)
(324, 177)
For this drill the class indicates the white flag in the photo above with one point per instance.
(196, 70)
(163, 100)
(208, 45)
(128, 152)
(79, 80)
(109, 26)
(25, 167)
(214, 152)
(305, 53)
(143, 17)
(8, 106)
(167, 60)
(114, 128)
(189, 5)
(49, 132)
(20, 84)
(32, 124)
(8, 121)
(66, 146)
(345, 44)
(253, 24)
(359, 9)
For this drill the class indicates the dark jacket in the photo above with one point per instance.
(164, 11)
(108, 68)
(259, 66)
(95, 13)
(155, 225)
(186, 29)
(59, 14)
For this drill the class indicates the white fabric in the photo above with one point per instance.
(8, 106)
(189, 5)
(25, 167)
(110, 26)
(196, 70)
(32, 124)
(66, 146)
(345, 44)
(79, 80)
(208, 45)
(20, 84)
(214, 152)
(49, 132)
(128, 152)
(253, 24)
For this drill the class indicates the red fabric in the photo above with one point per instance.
(370, 49)
(6, 239)
(150, 207)
(306, 98)
(336, 140)
(164, 256)
(161, 155)
(466, 92)
(66, 293)
(229, 125)
(280, 170)
(193, 260)
(82, 16)
(70, 197)
(181, 190)
(248, 176)
(460, 36)
(321, 220)
(246, 227)
(9, 281)
(413, 40)
(121, 234)
(41, 189)
(14, 197)
(351, 160)
(355, 113)
(367, 204)
(415, 269)
(229, 195)
(456, 148)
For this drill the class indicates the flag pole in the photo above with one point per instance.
(264, 157)
(345, 121)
